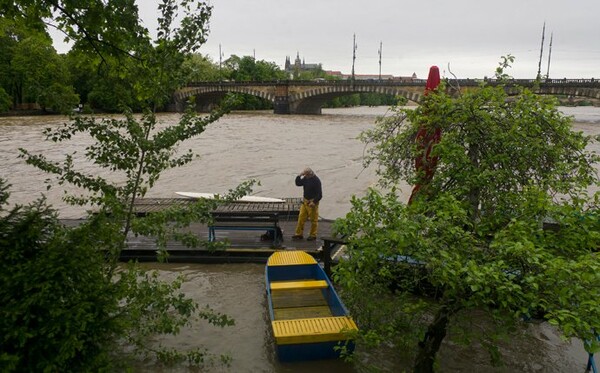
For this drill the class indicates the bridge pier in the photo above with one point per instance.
(281, 105)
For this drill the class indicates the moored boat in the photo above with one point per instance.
(308, 319)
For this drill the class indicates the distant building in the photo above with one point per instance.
(299, 66)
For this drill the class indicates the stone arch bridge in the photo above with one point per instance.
(308, 97)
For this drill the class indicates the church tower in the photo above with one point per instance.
(288, 65)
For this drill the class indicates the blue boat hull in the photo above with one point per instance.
(308, 319)
(312, 351)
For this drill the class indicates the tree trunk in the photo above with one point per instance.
(429, 346)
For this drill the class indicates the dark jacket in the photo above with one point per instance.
(312, 187)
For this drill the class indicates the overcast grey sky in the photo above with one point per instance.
(470, 35)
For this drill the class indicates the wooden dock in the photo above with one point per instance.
(244, 246)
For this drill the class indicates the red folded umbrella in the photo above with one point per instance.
(426, 139)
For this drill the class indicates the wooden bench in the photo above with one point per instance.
(268, 222)
(298, 285)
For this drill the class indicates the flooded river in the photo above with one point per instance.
(273, 149)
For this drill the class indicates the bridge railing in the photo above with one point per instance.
(413, 82)
(404, 82)
(565, 82)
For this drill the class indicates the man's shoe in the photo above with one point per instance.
(297, 237)
(311, 238)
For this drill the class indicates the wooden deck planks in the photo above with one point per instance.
(297, 298)
(290, 207)
(299, 304)
(302, 312)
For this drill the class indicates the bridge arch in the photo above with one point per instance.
(311, 101)
(208, 96)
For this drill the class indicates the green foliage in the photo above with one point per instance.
(112, 95)
(72, 306)
(66, 309)
(312, 74)
(244, 69)
(476, 237)
(199, 68)
(492, 151)
(366, 99)
(5, 100)
(59, 98)
(251, 102)
(31, 70)
(102, 57)
(53, 289)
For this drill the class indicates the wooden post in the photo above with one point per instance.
(328, 244)
(327, 257)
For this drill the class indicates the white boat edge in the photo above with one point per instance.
(196, 195)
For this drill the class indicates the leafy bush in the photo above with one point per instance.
(67, 306)
(5, 101)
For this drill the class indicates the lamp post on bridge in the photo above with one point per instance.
(549, 56)
(220, 63)
(539, 72)
(380, 49)
(353, 57)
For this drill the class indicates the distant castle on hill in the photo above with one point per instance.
(300, 66)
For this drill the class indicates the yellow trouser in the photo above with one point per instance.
(311, 213)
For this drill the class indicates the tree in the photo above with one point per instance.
(311, 74)
(31, 70)
(36, 67)
(199, 68)
(59, 98)
(244, 69)
(476, 238)
(5, 100)
(120, 307)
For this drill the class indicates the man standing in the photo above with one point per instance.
(310, 204)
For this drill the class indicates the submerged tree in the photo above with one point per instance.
(112, 305)
(504, 228)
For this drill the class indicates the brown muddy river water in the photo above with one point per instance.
(273, 149)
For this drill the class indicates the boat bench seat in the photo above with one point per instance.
(313, 330)
(298, 285)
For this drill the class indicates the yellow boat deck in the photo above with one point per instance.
(294, 257)
(313, 330)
